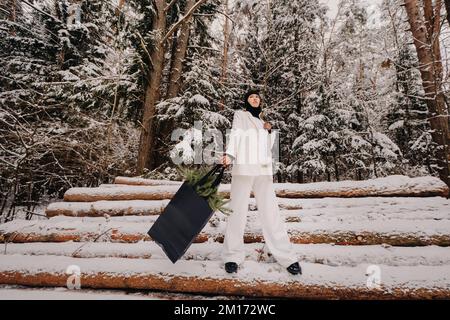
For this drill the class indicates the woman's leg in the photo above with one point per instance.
(273, 225)
(233, 245)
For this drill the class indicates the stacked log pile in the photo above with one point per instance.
(404, 222)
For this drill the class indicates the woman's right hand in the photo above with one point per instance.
(226, 161)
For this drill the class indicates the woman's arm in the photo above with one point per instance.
(233, 139)
(272, 137)
(272, 134)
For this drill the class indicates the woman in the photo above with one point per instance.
(252, 136)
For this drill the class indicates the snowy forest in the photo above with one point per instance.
(93, 89)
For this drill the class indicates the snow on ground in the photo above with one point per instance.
(9, 292)
(37, 214)
(24, 293)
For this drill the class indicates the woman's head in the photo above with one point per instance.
(252, 103)
(252, 98)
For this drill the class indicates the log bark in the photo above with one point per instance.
(196, 285)
(158, 278)
(425, 29)
(336, 237)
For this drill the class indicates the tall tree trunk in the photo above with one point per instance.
(336, 167)
(179, 51)
(300, 176)
(146, 153)
(176, 68)
(226, 37)
(447, 8)
(152, 91)
(119, 7)
(13, 17)
(425, 30)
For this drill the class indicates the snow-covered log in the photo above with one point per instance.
(85, 194)
(397, 232)
(102, 208)
(391, 186)
(326, 254)
(254, 279)
(130, 207)
(136, 181)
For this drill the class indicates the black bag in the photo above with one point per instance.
(184, 217)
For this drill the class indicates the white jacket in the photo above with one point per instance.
(250, 145)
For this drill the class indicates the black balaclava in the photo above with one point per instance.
(254, 111)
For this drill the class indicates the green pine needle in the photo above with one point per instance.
(215, 200)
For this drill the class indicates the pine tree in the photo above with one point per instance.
(406, 119)
(199, 96)
(281, 56)
(356, 81)
(57, 93)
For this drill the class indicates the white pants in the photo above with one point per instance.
(273, 225)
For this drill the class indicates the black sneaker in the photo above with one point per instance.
(294, 268)
(231, 267)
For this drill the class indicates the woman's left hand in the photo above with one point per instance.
(267, 126)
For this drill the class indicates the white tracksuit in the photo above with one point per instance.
(248, 175)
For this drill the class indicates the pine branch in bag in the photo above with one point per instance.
(215, 200)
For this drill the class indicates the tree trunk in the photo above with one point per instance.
(179, 54)
(179, 49)
(152, 91)
(447, 8)
(425, 30)
(336, 167)
(119, 7)
(13, 17)
(226, 37)
(300, 176)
